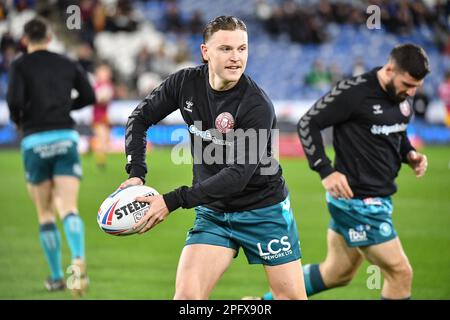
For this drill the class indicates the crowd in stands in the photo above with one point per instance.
(166, 49)
(305, 21)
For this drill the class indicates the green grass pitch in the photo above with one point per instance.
(144, 267)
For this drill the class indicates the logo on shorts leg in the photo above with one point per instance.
(385, 229)
(275, 249)
(77, 169)
(358, 234)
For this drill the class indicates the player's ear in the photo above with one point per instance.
(204, 51)
(25, 41)
(391, 68)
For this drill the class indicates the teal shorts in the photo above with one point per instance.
(51, 153)
(362, 222)
(267, 235)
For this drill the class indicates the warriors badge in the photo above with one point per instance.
(224, 122)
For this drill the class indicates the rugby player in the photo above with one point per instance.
(242, 201)
(39, 101)
(369, 115)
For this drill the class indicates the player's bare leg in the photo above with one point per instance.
(49, 236)
(341, 262)
(41, 194)
(338, 269)
(199, 269)
(286, 281)
(395, 266)
(65, 194)
(65, 200)
(101, 144)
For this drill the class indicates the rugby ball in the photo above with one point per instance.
(120, 211)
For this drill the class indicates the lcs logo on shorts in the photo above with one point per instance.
(275, 249)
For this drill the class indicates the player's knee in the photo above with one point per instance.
(402, 272)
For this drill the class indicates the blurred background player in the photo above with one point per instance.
(370, 114)
(237, 203)
(444, 94)
(104, 92)
(39, 100)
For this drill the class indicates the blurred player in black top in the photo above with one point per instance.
(369, 115)
(238, 190)
(39, 100)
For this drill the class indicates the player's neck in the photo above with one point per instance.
(32, 47)
(219, 84)
(382, 78)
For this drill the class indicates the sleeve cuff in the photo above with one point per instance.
(405, 155)
(138, 172)
(171, 201)
(325, 171)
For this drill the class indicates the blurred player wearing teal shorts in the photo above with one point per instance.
(39, 100)
(369, 115)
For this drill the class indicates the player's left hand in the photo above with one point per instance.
(418, 162)
(157, 213)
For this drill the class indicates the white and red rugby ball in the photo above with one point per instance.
(120, 211)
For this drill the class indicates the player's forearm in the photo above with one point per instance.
(312, 142)
(227, 182)
(15, 104)
(405, 147)
(155, 107)
(14, 113)
(136, 145)
(186, 197)
(222, 185)
(86, 96)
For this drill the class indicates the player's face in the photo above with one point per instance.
(402, 85)
(226, 53)
(103, 74)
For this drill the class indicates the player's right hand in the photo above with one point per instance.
(337, 185)
(156, 214)
(135, 181)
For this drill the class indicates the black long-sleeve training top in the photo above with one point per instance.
(369, 135)
(39, 91)
(249, 178)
